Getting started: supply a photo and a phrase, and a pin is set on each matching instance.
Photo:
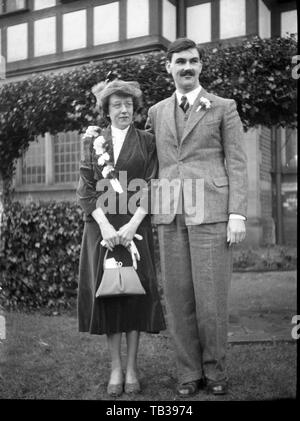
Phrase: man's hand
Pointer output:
(236, 231)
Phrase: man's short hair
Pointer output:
(181, 44)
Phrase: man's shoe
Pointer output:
(185, 390)
(217, 387)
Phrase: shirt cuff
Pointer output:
(236, 216)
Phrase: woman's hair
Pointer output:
(103, 92)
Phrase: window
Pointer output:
(289, 150)
(199, 22)
(288, 23)
(33, 163)
(137, 18)
(43, 4)
(169, 20)
(66, 157)
(106, 23)
(45, 36)
(232, 18)
(74, 30)
(264, 21)
(17, 44)
(9, 6)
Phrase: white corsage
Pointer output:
(107, 170)
(91, 131)
(98, 146)
(204, 104)
(106, 162)
(103, 159)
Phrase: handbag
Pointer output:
(119, 280)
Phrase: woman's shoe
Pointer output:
(132, 388)
(115, 390)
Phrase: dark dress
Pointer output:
(117, 314)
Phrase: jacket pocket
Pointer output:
(220, 181)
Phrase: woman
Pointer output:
(132, 152)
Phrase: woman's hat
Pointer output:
(104, 90)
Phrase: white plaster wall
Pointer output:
(264, 20)
(137, 18)
(42, 4)
(232, 18)
(289, 23)
(199, 22)
(45, 36)
(106, 23)
(17, 42)
(169, 20)
(74, 30)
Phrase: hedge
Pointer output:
(256, 73)
(40, 255)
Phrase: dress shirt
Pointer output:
(191, 97)
(118, 137)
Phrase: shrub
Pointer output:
(40, 255)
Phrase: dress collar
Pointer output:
(119, 134)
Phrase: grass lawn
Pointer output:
(45, 357)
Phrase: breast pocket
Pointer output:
(210, 123)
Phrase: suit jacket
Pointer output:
(207, 167)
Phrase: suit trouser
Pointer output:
(196, 264)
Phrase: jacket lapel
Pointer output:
(196, 113)
(169, 116)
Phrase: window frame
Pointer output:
(14, 12)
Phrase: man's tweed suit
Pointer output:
(204, 155)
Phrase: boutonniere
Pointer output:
(204, 104)
(104, 157)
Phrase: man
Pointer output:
(201, 154)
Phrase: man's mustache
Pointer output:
(187, 73)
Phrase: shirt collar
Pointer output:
(191, 96)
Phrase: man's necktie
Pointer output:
(184, 105)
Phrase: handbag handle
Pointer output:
(118, 263)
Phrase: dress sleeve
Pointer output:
(86, 191)
(151, 172)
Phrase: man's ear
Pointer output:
(168, 66)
